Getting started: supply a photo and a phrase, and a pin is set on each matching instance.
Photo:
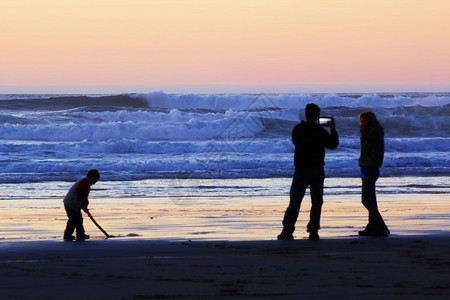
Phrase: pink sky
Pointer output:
(140, 45)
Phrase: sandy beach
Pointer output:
(169, 249)
(234, 218)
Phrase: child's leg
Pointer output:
(75, 222)
(70, 227)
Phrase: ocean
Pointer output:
(159, 145)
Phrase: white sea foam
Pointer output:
(242, 101)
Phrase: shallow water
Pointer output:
(194, 190)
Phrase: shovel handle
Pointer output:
(96, 224)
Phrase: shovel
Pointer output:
(96, 224)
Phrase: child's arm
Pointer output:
(83, 189)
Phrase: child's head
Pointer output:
(93, 176)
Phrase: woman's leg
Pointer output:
(369, 177)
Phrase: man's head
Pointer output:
(93, 176)
(312, 112)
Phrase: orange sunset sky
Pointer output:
(110, 46)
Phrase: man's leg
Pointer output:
(298, 188)
(316, 190)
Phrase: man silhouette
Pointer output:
(310, 140)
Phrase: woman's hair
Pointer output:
(370, 118)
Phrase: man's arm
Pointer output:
(332, 140)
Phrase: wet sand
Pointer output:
(226, 218)
(225, 249)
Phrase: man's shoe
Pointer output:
(69, 237)
(82, 237)
(285, 236)
(314, 235)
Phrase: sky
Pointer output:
(111, 46)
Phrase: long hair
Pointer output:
(371, 119)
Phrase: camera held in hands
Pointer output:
(326, 121)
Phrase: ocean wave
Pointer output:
(159, 135)
(283, 101)
(64, 102)
(214, 102)
(182, 124)
(208, 165)
(230, 127)
(347, 146)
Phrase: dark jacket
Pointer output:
(310, 141)
(372, 147)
